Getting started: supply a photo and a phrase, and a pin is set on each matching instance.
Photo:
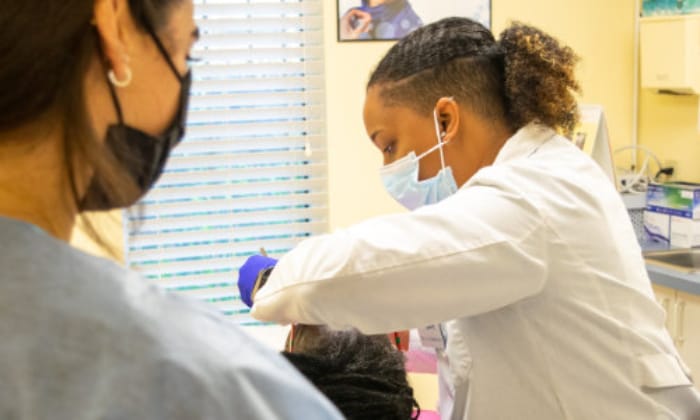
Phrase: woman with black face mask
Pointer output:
(94, 97)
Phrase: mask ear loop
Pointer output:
(117, 105)
(164, 52)
(112, 91)
(439, 137)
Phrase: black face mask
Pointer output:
(140, 155)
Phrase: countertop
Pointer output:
(685, 282)
(665, 276)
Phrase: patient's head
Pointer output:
(364, 376)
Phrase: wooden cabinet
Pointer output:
(688, 331)
(666, 298)
(683, 322)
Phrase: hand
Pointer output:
(249, 275)
(354, 23)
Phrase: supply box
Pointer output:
(676, 199)
(672, 214)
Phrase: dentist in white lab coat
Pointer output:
(518, 243)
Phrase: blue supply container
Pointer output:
(669, 7)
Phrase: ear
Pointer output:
(108, 18)
(448, 118)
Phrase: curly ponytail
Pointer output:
(527, 76)
(539, 78)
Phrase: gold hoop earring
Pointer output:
(120, 83)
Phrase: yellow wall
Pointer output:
(601, 31)
(355, 190)
(669, 126)
(109, 227)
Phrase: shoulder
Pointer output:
(135, 343)
(542, 168)
(206, 355)
(203, 358)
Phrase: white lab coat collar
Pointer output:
(524, 142)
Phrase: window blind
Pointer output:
(251, 171)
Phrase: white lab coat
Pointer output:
(533, 266)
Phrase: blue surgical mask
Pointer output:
(400, 178)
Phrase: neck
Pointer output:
(33, 185)
(483, 140)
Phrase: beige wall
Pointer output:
(355, 190)
(109, 227)
(601, 31)
(669, 126)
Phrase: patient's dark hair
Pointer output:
(364, 376)
(526, 76)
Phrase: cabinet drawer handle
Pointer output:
(680, 324)
(666, 306)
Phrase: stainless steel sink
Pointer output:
(686, 260)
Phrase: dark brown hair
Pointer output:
(47, 47)
(363, 375)
(527, 76)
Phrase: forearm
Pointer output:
(404, 271)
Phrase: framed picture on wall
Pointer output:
(379, 20)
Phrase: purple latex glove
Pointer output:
(248, 274)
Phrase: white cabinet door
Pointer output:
(667, 298)
(688, 331)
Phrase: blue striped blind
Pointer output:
(251, 171)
